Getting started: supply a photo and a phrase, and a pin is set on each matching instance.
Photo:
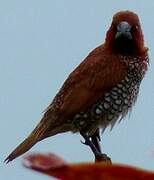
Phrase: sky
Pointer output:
(41, 42)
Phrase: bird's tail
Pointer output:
(37, 134)
(22, 148)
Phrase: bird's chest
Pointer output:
(116, 102)
(120, 98)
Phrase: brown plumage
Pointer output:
(101, 89)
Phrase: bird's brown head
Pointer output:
(125, 34)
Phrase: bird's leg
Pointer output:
(97, 152)
(89, 143)
(95, 139)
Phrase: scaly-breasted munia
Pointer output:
(100, 91)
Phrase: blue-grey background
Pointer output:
(41, 42)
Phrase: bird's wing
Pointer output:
(89, 81)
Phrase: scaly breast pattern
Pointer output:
(116, 103)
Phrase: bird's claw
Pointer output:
(102, 157)
(85, 143)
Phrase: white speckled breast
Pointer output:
(117, 102)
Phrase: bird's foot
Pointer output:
(99, 157)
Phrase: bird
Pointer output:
(100, 91)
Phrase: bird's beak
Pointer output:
(124, 30)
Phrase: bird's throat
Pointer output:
(124, 46)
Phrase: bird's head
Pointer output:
(125, 34)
